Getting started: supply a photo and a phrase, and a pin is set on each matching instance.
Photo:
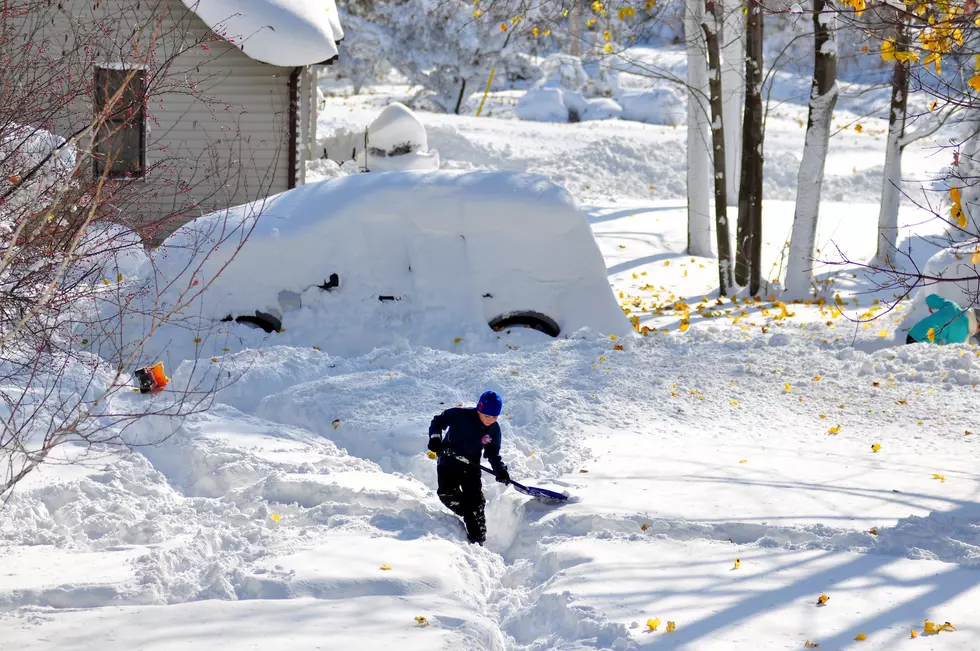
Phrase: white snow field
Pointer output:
(299, 512)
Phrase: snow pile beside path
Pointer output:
(396, 140)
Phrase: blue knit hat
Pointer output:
(490, 403)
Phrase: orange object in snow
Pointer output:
(152, 378)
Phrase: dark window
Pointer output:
(121, 139)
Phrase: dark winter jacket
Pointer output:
(468, 437)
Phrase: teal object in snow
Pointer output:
(950, 323)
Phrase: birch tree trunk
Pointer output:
(712, 24)
(748, 255)
(733, 83)
(823, 98)
(891, 196)
(575, 19)
(698, 134)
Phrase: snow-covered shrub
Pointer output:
(655, 106)
(602, 108)
(397, 130)
(603, 76)
(361, 60)
(564, 71)
(449, 47)
(542, 105)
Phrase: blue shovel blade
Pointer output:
(534, 491)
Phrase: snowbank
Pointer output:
(280, 32)
(367, 260)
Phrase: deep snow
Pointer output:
(268, 520)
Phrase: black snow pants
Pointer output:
(461, 490)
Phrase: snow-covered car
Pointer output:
(440, 259)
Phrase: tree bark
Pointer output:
(698, 134)
(748, 256)
(712, 24)
(575, 18)
(459, 100)
(891, 196)
(732, 68)
(823, 98)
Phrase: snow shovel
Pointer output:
(542, 494)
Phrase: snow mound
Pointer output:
(654, 106)
(280, 32)
(602, 108)
(369, 260)
(542, 105)
(397, 130)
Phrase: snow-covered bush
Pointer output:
(543, 105)
(361, 60)
(655, 106)
(449, 47)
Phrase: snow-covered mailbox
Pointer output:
(430, 257)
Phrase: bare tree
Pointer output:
(823, 98)
(698, 133)
(72, 108)
(748, 255)
(711, 24)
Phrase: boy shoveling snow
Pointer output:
(472, 433)
(947, 323)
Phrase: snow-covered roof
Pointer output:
(280, 32)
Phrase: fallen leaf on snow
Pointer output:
(738, 564)
(939, 477)
(422, 621)
(873, 531)
(914, 634)
(822, 599)
(875, 447)
(644, 527)
(670, 627)
(860, 637)
(743, 460)
(583, 470)
(811, 645)
(385, 567)
(652, 624)
(276, 517)
(834, 430)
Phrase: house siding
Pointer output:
(217, 127)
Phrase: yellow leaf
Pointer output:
(914, 634)
(933, 104)
(939, 477)
(612, 337)
(738, 564)
(385, 567)
(811, 645)
(931, 335)
(733, 402)
(787, 387)
(197, 340)
(823, 415)
(119, 277)
(882, 333)
(666, 263)
(946, 627)
(105, 281)
(875, 447)
(652, 624)
(888, 50)
(929, 628)
(861, 637)
(834, 430)
(276, 517)
(822, 599)
(743, 460)
(858, 128)
(431, 454)
(457, 340)
(422, 621)
(685, 324)
(670, 627)
(816, 378)
(503, 27)
(975, 258)
(607, 48)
